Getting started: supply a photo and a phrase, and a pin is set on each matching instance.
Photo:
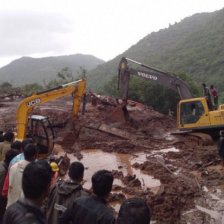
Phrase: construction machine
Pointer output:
(38, 127)
(193, 114)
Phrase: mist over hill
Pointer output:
(36, 70)
(195, 46)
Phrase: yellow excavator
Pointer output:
(39, 127)
(193, 114)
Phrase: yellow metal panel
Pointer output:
(27, 105)
(204, 119)
(217, 117)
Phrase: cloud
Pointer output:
(24, 33)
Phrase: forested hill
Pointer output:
(36, 70)
(195, 46)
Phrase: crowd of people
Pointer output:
(32, 192)
(209, 94)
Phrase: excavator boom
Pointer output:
(153, 74)
(77, 89)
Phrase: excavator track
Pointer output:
(198, 137)
(203, 139)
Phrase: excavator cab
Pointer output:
(41, 131)
(193, 114)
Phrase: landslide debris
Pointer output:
(183, 177)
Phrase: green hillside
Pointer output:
(35, 70)
(194, 46)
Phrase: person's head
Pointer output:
(221, 133)
(9, 136)
(203, 85)
(16, 145)
(133, 211)
(211, 87)
(76, 171)
(1, 138)
(30, 152)
(10, 155)
(36, 180)
(102, 182)
(25, 142)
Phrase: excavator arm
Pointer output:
(193, 114)
(76, 88)
(153, 74)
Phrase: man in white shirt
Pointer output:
(16, 172)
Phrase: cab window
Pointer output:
(191, 112)
(38, 129)
(48, 128)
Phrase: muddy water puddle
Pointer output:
(210, 211)
(142, 157)
(95, 160)
(172, 149)
(215, 215)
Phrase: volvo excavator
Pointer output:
(193, 114)
(38, 127)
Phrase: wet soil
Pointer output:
(181, 180)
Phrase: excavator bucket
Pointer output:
(120, 114)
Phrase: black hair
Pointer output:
(211, 87)
(203, 84)
(36, 179)
(10, 155)
(221, 133)
(76, 170)
(133, 211)
(8, 136)
(16, 145)
(26, 141)
(30, 151)
(1, 138)
(102, 182)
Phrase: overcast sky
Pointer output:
(103, 28)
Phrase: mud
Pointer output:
(181, 180)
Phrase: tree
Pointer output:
(194, 88)
(82, 72)
(30, 89)
(6, 87)
(62, 77)
(162, 99)
(111, 87)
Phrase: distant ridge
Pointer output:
(34, 70)
(195, 46)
